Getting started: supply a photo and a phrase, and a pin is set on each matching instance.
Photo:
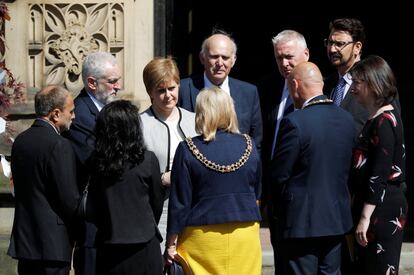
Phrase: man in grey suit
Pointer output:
(218, 56)
(46, 194)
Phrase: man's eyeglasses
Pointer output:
(339, 45)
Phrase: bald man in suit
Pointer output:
(218, 56)
(309, 174)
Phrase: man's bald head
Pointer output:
(307, 72)
(305, 81)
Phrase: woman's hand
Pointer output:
(361, 231)
(362, 228)
(170, 248)
(169, 253)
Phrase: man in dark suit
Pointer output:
(344, 49)
(101, 75)
(218, 56)
(309, 176)
(290, 49)
(46, 194)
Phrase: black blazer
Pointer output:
(270, 92)
(46, 195)
(310, 171)
(246, 103)
(128, 210)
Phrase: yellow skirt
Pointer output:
(230, 248)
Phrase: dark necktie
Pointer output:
(339, 91)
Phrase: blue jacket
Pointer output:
(310, 169)
(202, 196)
(246, 103)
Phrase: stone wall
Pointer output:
(46, 42)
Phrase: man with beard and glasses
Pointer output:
(344, 48)
(101, 77)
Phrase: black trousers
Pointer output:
(275, 239)
(40, 267)
(84, 256)
(130, 259)
(310, 256)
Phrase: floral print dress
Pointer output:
(379, 179)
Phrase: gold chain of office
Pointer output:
(218, 167)
(321, 101)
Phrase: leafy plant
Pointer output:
(11, 90)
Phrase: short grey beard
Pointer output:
(104, 97)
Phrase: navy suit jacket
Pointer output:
(82, 136)
(43, 167)
(246, 103)
(310, 171)
(81, 132)
(202, 196)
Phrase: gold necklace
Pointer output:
(218, 167)
(319, 102)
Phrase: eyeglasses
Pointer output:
(339, 45)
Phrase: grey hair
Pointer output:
(288, 35)
(50, 98)
(95, 65)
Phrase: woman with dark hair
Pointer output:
(378, 179)
(125, 194)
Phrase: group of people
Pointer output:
(323, 159)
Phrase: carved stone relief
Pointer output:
(61, 35)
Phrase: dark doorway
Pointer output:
(253, 24)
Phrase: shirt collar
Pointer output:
(224, 86)
(347, 77)
(97, 103)
(50, 123)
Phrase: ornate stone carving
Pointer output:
(61, 35)
(73, 46)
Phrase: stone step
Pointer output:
(8, 265)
